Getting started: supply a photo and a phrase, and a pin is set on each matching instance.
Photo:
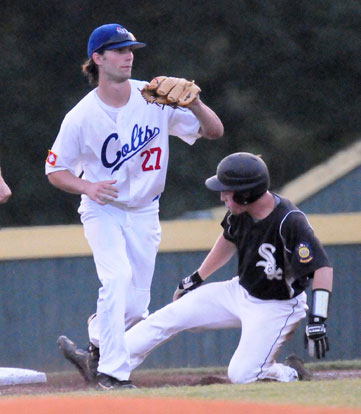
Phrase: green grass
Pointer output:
(337, 393)
(334, 393)
(337, 364)
(342, 393)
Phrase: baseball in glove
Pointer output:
(170, 91)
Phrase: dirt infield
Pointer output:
(69, 382)
(124, 405)
(29, 401)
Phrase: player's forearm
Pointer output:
(66, 181)
(316, 332)
(211, 125)
(323, 279)
(221, 253)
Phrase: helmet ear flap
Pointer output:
(248, 197)
(240, 198)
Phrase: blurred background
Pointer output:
(284, 77)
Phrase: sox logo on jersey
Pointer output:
(266, 251)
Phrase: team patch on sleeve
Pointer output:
(51, 159)
(304, 253)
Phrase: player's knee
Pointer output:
(240, 374)
(236, 376)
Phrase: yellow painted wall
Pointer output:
(178, 235)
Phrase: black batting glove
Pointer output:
(316, 340)
(187, 284)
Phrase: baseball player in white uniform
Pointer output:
(278, 256)
(119, 145)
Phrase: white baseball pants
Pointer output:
(266, 325)
(124, 245)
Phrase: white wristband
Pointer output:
(320, 300)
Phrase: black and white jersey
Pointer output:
(277, 255)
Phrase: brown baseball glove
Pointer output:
(170, 91)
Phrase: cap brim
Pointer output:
(135, 45)
(214, 184)
(132, 43)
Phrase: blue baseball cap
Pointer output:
(111, 36)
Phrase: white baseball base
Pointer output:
(13, 376)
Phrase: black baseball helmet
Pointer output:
(244, 173)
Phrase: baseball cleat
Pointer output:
(296, 363)
(107, 383)
(86, 361)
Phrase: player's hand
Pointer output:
(178, 294)
(187, 284)
(316, 341)
(5, 191)
(102, 192)
(195, 104)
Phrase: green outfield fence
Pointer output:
(49, 287)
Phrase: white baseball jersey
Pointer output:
(131, 147)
